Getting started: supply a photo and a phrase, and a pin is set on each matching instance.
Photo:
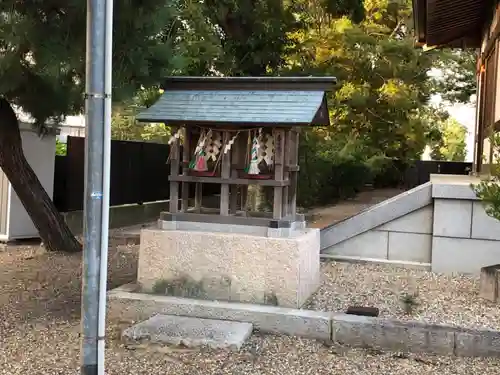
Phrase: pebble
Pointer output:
(40, 330)
(442, 299)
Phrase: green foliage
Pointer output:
(383, 79)
(451, 145)
(61, 148)
(183, 286)
(335, 169)
(458, 80)
(410, 302)
(354, 9)
(329, 169)
(253, 34)
(43, 50)
(256, 35)
(125, 127)
(379, 111)
(488, 190)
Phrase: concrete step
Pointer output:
(191, 332)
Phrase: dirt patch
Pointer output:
(35, 283)
(323, 216)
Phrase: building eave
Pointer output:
(450, 23)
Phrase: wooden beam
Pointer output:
(279, 162)
(294, 159)
(174, 172)
(229, 181)
(186, 156)
(225, 174)
(286, 171)
(198, 196)
(236, 163)
(490, 44)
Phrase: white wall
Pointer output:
(40, 153)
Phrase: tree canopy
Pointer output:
(457, 81)
(380, 107)
(42, 71)
(383, 79)
(451, 144)
(43, 50)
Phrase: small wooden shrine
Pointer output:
(236, 132)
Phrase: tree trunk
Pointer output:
(49, 222)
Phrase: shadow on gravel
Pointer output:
(35, 284)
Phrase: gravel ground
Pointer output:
(441, 299)
(39, 333)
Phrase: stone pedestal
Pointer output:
(230, 266)
(489, 283)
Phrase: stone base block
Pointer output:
(291, 230)
(489, 283)
(231, 267)
(191, 332)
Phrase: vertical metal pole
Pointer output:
(106, 185)
(94, 120)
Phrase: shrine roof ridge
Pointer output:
(291, 83)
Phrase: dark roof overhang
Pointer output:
(249, 83)
(451, 23)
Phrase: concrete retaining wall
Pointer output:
(121, 216)
(406, 239)
(356, 331)
(447, 231)
(465, 238)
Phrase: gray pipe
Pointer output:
(108, 57)
(94, 120)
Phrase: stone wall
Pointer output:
(465, 238)
(448, 233)
(407, 239)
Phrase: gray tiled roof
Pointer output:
(238, 106)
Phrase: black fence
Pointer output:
(139, 173)
(420, 172)
(414, 173)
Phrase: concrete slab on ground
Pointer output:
(191, 332)
(355, 331)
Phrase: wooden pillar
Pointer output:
(279, 161)
(236, 163)
(478, 156)
(174, 172)
(479, 103)
(225, 174)
(186, 155)
(286, 172)
(294, 160)
(244, 158)
(198, 197)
